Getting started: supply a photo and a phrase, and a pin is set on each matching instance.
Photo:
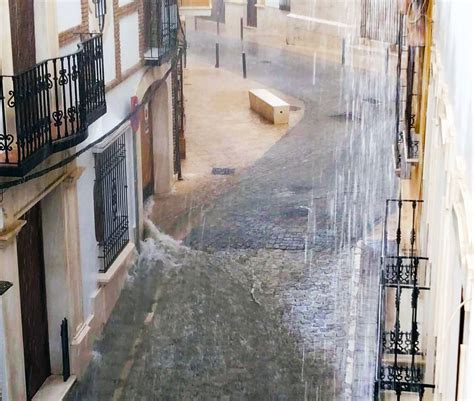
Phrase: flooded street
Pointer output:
(263, 297)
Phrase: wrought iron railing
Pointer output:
(161, 30)
(100, 7)
(407, 144)
(47, 108)
(403, 274)
(285, 5)
(111, 202)
(178, 111)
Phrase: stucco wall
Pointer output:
(447, 235)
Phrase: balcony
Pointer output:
(47, 108)
(195, 7)
(161, 31)
(404, 284)
(411, 144)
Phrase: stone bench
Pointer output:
(269, 106)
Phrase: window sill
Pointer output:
(54, 388)
(121, 261)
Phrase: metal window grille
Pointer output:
(403, 276)
(161, 30)
(379, 20)
(178, 110)
(100, 11)
(110, 202)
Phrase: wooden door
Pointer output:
(22, 17)
(147, 151)
(251, 13)
(33, 301)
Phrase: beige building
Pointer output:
(433, 147)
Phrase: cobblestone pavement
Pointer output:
(259, 304)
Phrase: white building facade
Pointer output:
(91, 123)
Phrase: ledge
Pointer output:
(122, 259)
(11, 231)
(54, 388)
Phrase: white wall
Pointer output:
(68, 14)
(109, 49)
(448, 212)
(454, 43)
(129, 50)
(89, 250)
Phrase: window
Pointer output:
(110, 201)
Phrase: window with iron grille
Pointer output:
(110, 202)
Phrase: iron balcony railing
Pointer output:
(406, 145)
(161, 30)
(403, 277)
(47, 108)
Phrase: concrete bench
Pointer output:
(269, 106)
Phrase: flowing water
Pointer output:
(271, 295)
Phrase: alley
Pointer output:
(254, 303)
(236, 200)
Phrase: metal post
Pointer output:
(387, 58)
(244, 65)
(343, 52)
(195, 23)
(241, 28)
(217, 23)
(217, 55)
(65, 349)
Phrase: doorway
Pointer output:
(251, 13)
(33, 301)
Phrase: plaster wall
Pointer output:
(129, 41)
(454, 41)
(322, 22)
(272, 20)
(162, 138)
(447, 235)
(68, 13)
(47, 29)
(109, 48)
(234, 11)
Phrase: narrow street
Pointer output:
(236, 200)
(261, 299)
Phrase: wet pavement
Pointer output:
(264, 298)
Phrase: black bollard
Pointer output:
(217, 55)
(343, 53)
(244, 65)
